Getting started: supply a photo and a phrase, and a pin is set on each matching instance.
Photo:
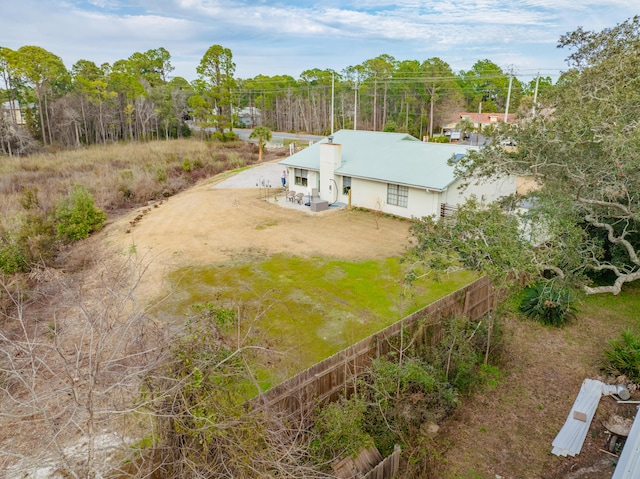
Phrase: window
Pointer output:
(301, 176)
(346, 184)
(397, 195)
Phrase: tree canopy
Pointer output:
(136, 99)
(580, 150)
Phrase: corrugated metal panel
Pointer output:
(629, 463)
(569, 440)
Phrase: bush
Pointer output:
(622, 358)
(404, 397)
(12, 257)
(338, 431)
(37, 237)
(76, 215)
(548, 303)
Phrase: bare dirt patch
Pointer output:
(205, 225)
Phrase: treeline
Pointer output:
(138, 99)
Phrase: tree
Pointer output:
(487, 83)
(216, 71)
(581, 152)
(438, 84)
(379, 69)
(46, 73)
(263, 134)
(71, 382)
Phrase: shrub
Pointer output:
(460, 353)
(548, 303)
(37, 237)
(76, 215)
(338, 431)
(622, 358)
(161, 174)
(405, 396)
(12, 258)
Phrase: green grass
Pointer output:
(314, 307)
(621, 308)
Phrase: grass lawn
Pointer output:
(307, 309)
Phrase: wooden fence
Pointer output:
(387, 468)
(333, 377)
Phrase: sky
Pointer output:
(288, 37)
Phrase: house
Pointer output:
(480, 119)
(249, 117)
(12, 113)
(390, 172)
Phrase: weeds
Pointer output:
(549, 303)
(37, 217)
(402, 396)
(622, 357)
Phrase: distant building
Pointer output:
(483, 119)
(12, 112)
(249, 117)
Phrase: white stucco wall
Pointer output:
(373, 195)
(486, 192)
(330, 160)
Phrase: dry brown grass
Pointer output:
(119, 176)
(508, 431)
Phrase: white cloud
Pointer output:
(287, 37)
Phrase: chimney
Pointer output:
(330, 160)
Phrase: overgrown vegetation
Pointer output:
(622, 356)
(548, 302)
(339, 431)
(403, 397)
(40, 233)
(51, 200)
(198, 395)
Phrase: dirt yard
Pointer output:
(210, 223)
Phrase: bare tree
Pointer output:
(71, 362)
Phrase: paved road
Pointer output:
(244, 133)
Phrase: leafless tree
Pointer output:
(71, 362)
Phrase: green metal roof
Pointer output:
(387, 157)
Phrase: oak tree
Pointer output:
(580, 223)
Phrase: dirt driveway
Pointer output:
(227, 217)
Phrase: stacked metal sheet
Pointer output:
(629, 463)
(571, 437)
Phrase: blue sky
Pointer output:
(287, 37)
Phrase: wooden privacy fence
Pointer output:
(331, 378)
(387, 468)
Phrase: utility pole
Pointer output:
(535, 95)
(332, 100)
(506, 110)
(355, 107)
